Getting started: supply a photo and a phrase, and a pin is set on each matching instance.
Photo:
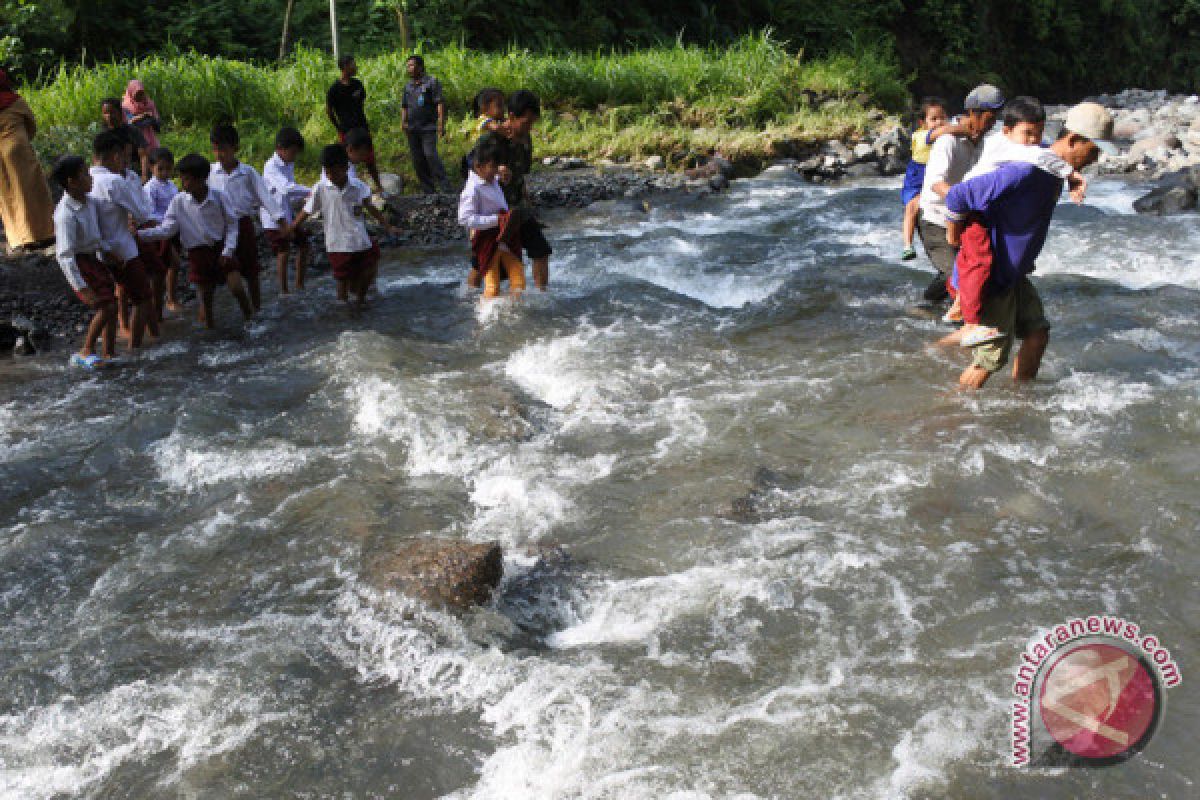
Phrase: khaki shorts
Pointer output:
(1018, 312)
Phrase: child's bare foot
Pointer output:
(955, 312)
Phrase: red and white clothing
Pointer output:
(280, 179)
(76, 233)
(245, 191)
(116, 204)
(342, 211)
(481, 203)
(207, 223)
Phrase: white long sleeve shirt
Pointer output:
(950, 160)
(76, 232)
(136, 191)
(205, 224)
(280, 178)
(481, 203)
(342, 214)
(158, 196)
(245, 191)
(115, 205)
(1000, 149)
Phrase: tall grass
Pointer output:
(638, 97)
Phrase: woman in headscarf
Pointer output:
(25, 205)
(141, 113)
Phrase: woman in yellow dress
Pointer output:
(25, 205)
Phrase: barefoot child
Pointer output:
(483, 210)
(342, 201)
(116, 206)
(933, 119)
(159, 191)
(150, 254)
(279, 174)
(245, 192)
(79, 249)
(208, 230)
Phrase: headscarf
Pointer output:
(132, 107)
(8, 94)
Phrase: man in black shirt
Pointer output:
(345, 105)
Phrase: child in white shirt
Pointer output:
(159, 191)
(279, 174)
(483, 210)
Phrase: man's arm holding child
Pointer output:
(977, 195)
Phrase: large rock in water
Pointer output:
(444, 573)
(1167, 200)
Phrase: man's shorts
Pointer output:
(352, 266)
(533, 241)
(247, 248)
(131, 277)
(204, 266)
(281, 245)
(97, 277)
(940, 252)
(1019, 313)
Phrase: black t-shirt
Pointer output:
(348, 101)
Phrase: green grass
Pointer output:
(744, 98)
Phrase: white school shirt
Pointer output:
(480, 204)
(204, 224)
(1000, 149)
(342, 214)
(952, 158)
(76, 232)
(115, 204)
(135, 189)
(244, 191)
(158, 196)
(280, 178)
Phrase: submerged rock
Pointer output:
(443, 573)
(1167, 200)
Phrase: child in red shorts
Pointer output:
(79, 250)
(342, 202)
(159, 191)
(208, 229)
(279, 174)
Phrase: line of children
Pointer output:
(279, 175)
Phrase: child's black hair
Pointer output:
(334, 155)
(344, 60)
(110, 101)
(108, 142)
(484, 98)
(288, 137)
(523, 102)
(160, 154)
(1023, 109)
(193, 165)
(489, 151)
(65, 168)
(932, 101)
(358, 138)
(224, 135)
(419, 60)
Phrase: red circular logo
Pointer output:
(1099, 701)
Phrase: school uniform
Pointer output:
(483, 209)
(280, 179)
(79, 247)
(208, 230)
(244, 192)
(158, 195)
(150, 254)
(351, 251)
(115, 205)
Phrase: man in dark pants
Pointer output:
(423, 116)
(951, 159)
(346, 104)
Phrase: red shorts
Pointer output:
(370, 154)
(151, 255)
(205, 268)
(280, 245)
(97, 277)
(247, 248)
(974, 268)
(168, 246)
(131, 277)
(349, 266)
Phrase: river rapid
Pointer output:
(756, 544)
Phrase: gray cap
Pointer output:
(984, 97)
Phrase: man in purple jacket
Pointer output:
(1017, 202)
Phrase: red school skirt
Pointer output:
(349, 266)
(98, 278)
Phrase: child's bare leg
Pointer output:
(342, 291)
(541, 273)
(281, 268)
(254, 287)
(237, 286)
(109, 329)
(303, 253)
(122, 311)
(158, 283)
(910, 220)
(137, 325)
(206, 304)
(173, 280)
(99, 321)
(474, 278)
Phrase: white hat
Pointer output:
(1092, 121)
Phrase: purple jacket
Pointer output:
(1016, 202)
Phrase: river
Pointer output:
(795, 563)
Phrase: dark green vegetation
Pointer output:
(1053, 48)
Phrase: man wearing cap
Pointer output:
(951, 158)
(1016, 203)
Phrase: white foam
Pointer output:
(185, 464)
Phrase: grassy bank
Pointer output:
(746, 99)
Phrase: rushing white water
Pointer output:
(797, 563)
